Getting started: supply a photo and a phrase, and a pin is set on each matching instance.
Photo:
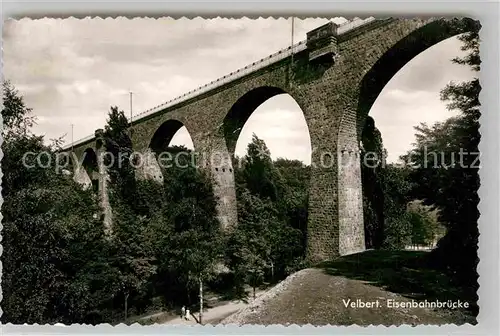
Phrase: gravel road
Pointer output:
(312, 296)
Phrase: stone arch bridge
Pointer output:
(335, 75)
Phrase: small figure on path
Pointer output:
(187, 314)
(183, 312)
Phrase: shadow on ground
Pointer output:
(402, 272)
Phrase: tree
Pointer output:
(46, 243)
(449, 180)
(395, 186)
(52, 243)
(17, 141)
(385, 194)
(17, 118)
(372, 163)
(449, 186)
(425, 227)
(258, 173)
(121, 171)
(272, 216)
(295, 194)
(249, 248)
(132, 255)
(188, 241)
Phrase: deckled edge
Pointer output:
(218, 326)
(215, 17)
(246, 326)
(1, 167)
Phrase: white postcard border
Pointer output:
(485, 11)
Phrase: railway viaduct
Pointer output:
(335, 75)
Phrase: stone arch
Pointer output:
(158, 144)
(87, 173)
(164, 134)
(235, 119)
(243, 108)
(400, 54)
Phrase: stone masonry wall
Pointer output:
(103, 180)
(148, 167)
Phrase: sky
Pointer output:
(71, 71)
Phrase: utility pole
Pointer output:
(130, 128)
(72, 137)
(72, 145)
(291, 57)
(201, 299)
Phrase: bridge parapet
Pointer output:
(322, 42)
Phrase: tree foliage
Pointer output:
(50, 271)
(372, 163)
(121, 169)
(58, 264)
(424, 223)
(269, 240)
(192, 248)
(385, 194)
(17, 117)
(448, 180)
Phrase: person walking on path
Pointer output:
(183, 312)
(188, 314)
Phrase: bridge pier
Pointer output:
(335, 219)
(211, 155)
(149, 168)
(218, 160)
(351, 221)
(81, 177)
(335, 211)
(103, 182)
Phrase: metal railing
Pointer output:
(262, 63)
(79, 141)
(355, 23)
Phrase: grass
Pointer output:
(402, 272)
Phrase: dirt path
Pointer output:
(312, 296)
(212, 315)
(216, 314)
